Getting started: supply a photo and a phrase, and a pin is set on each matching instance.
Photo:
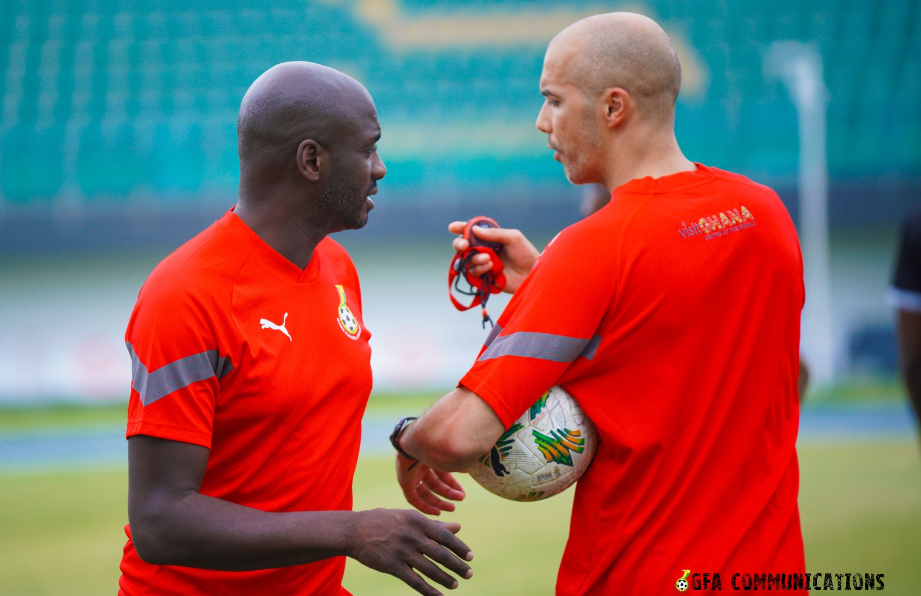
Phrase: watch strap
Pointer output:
(397, 431)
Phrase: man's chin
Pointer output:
(359, 218)
(574, 176)
(580, 175)
(363, 213)
(359, 221)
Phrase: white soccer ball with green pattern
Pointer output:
(544, 452)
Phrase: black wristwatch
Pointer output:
(397, 431)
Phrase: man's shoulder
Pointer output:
(334, 250)
(206, 265)
(741, 183)
(585, 243)
(599, 228)
(337, 256)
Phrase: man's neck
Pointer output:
(652, 155)
(288, 234)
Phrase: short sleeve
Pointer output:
(905, 292)
(176, 362)
(550, 329)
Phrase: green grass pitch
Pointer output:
(61, 532)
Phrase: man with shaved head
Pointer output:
(671, 314)
(251, 372)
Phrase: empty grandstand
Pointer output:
(113, 106)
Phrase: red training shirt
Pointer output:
(237, 349)
(672, 315)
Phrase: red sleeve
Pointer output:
(550, 328)
(176, 361)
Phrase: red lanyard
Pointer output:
(479, 288)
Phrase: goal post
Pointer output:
(799, 67)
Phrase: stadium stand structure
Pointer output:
(120, 103)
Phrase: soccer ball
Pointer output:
(681, 585)
(544, 452)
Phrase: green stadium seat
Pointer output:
(164, 81)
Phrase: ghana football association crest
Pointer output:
(347, 320)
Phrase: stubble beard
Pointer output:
(584, 164)
(344, 203)
(586, 156)
(580, 164)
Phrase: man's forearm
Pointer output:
(208, 533)
(432, 444)
(458, 429)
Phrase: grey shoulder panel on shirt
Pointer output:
(493, 334)
(176, 375)
(544, 346)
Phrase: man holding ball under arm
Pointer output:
(671, 315)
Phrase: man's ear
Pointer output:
(617, 104)
(311, 159)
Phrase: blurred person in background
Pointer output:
(251, 372)
(672, 315)
(905, 296)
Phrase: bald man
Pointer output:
(671, 314)
(251, 372)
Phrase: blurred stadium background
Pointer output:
(118, 143)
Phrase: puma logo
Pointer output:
(267, 324)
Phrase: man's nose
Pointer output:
(543, 120)
(378, 170)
